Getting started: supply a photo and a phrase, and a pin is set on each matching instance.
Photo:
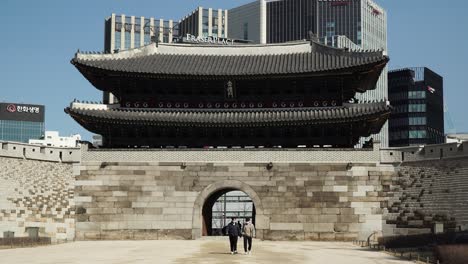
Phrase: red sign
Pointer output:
(11, 108)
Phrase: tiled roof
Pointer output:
(240, 61)
(236, 117)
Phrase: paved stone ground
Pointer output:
(197, 252)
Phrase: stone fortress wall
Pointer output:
(430, 187)
(300, 194)
(36, 190)
(319, 194)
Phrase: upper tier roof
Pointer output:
(242, 60)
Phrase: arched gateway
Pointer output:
(214, 191)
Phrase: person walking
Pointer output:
(248, 231)
(233, 232)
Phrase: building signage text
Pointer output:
(12, 108)
(209, 40)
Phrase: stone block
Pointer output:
(347, 211)
(341, 227)
(346, 236)
(179, 234)
(331, 211)
(286, 226)
(328, 218)
(88, 183)
(328, 236)
(83, 199)
(88, 235)
(150, 234)
(116, 235)
(262, 222)
(312, 236)
(311, 211)
(319, 227)
(340, 188)
(308, 218)
(87, 226)
(348, 219)
(278, 235)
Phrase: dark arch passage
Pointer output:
(228, 203)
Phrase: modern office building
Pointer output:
(21, 122)
(353, 24)
(246, 23)
(363, 23)
(262, 21)
(417, 96)
(52, 139)
(127, 32)
(205, 22)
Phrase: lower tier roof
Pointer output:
(371, 112)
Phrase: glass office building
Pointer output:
(21, 122)
(417, 96)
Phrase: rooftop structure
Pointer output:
(288, 95)
(52, 139)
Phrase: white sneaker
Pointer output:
(246, 253)
(250, 252)
(232, 253)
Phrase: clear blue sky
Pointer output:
(39, 38)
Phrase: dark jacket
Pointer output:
(233, 229)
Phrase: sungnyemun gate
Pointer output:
(193, 122)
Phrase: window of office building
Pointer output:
(417, 134)
(127, 40)
(223, 34)
(330, 29)
(166, 31)
(175, 30)
(205, 22)
(117, 40)
(417, 108)
(414, 121)
(396, 135)
(137, 40)
(147, 29)
(416, 94)
(214, 23)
